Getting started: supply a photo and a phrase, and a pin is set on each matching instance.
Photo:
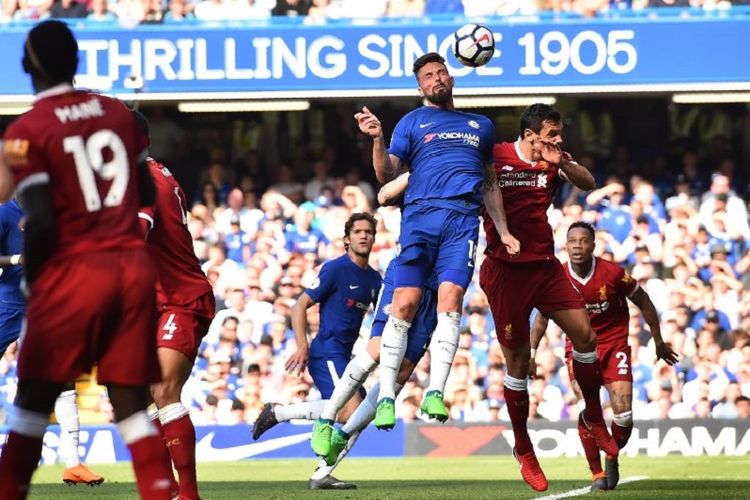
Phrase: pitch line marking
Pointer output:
(587, 489)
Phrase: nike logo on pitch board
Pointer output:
(423, 125)
(353, 287)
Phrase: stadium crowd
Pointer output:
(682, 233)
(134, 12)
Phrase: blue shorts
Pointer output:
(11, 322)
(325, 372)
(438, 241)
(421, 328)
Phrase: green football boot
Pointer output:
(433, 406)
(339, 440)
(320, 442)
(385, 415)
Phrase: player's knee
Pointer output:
(585, 341)
(166, 392)
(624, 419)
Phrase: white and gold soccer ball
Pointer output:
(473, 45)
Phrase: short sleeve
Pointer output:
(325, 284)
(401, 139)
(625, 284)
(25, 159)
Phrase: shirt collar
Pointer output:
(60, 88)
(520, 154)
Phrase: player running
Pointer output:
(75, 160)
(186, 306)
(529, 171)
(450, 155)
(605, 288)
(12, 310)
(333, 444)
(345, 289)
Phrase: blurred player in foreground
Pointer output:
(529, 172)
(605, 288)
(12, 310)
(345, 289)
(76, 162)
(186, 306)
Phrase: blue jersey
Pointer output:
(11, 243)
(345, 292)
(447, 152)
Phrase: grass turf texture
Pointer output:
(671, 477)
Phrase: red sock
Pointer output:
(589, 378)
(621, 435)
(180, 436)
(151, 474)
(19, 459)
(518, 410)
(589, 448)
(167, 462)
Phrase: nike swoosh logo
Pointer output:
(353, 287)
(423, 125)
(206, 451)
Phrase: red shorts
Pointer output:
(96, 309)
(513, 290)
(614, 359)
(183, 327)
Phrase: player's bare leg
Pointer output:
(517, 402)
(149, 456)
(66, 413)
(575, 324)
(179, 433)
(621, 400)
(34, 402)
(590, 449)
(392, 349)
(443, 348)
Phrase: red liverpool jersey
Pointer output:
(86, 147)
(180, 277)
(605, 291)
(528, 188)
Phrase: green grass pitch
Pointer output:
(671, 477)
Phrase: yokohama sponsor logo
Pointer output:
(465, 137)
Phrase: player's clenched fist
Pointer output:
(369, 123)
(512, 245)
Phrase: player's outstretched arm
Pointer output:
(578, 175)
(493, 203)
(40, 229)
(386, 165)
(297, 362)
(663, 350)
(538, 329)
(390, 193)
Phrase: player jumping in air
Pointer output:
(529, 172)
(185, 302)
(450, 157)
(76, 162)
(12, 310)
(605, 288)
(345, 289)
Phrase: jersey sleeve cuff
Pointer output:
(147, 218)
(32, 180)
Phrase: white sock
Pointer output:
(323, 469)
(27, 423)
(364, 413)
(152, 411)
(136, 427)
(309, 410)
(443, 349)
(172, 412)
(66, 413)
(354, 376)
(392, 350)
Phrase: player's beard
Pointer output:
(441, 97)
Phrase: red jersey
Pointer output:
(86, 147)
(605, 291)
(528, 188)
(181, 280)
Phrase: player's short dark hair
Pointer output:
(583, 225)
(357, 217)
(535, 115)
(141, 121)
(429, 57)
(51, 52)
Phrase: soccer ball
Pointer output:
(473, 45)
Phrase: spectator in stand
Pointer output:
(615, 217)
(67, 9)
(177, 12)
(315, 186)
(406, 8)
(212, 10)
(291, 8)
(152, 12)
(249, 9)
(100, 12)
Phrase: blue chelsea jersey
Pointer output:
(11, 243)
(447, 152)
(345, 292)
